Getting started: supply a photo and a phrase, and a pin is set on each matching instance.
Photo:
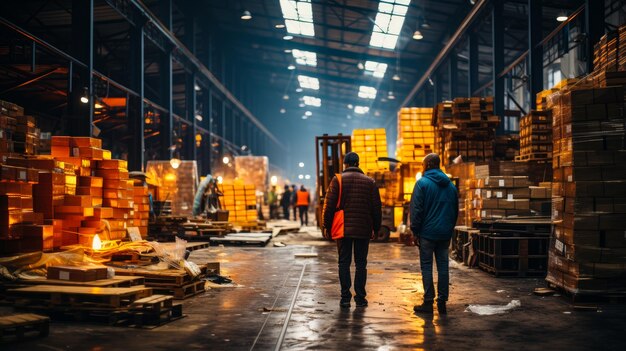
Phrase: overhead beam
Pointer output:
(456, 37)
(535, 62)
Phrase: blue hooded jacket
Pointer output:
(434, 206)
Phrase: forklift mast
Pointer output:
(329, 153)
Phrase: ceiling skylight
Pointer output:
(307, 82)
(312, 101)
(388, 23)
(366, 92)
(298, 16)
(376, 69)
(361, 110)
(306, 58)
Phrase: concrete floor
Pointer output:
(253, 314)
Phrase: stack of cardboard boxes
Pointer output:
(465, 127)
(500, 197)
(589, 190)
(416, 135)
(610, 59)
(141, 208)
(535, 136)
(370, 144)
(240, 201)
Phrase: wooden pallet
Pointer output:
(182, 292)
(76, 297)
(169, 276)
(148, 312)
(117, 282)
(23, 325)
(534, 156)
(260, 239)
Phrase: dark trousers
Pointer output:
(438, 248)
(286, 212)
(304, 215)
(295, 212)
(345, 247)
(273, 211)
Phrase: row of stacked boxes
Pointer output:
(465, 126)
(416, 136)
(535, 136)
(589, 190)
(65, 198)
(610, 59)
(240, 201)
(370, 144)
(416, 139)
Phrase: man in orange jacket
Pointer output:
(302, 202)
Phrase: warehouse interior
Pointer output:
(153, 155)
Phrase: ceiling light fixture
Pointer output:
(226, 160)
(279, 26)
(308, 113)
(298, 90)
(417, 35)
(175, 163)
(285, 97)
(282, 110)
(301, 104)
(288, 37)
(246, 15)
(304, 117)
(425, 24)
(396, 77)
(562, 17)
(199, 117)
(287, 51)
(360, 65)
(291, 67)
(85, 97)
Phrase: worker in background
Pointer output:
(272, 201)
(362, 208)
(285, 201)
(303, 199)
(434, 209)
(294, 198)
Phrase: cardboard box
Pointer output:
(77, 274)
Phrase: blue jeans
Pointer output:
(440, 249)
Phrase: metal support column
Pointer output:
(535, 54)
(438, 96)
(207, 145)
(472, 63)
(594, 26)
(81, 114)
(135, 103)
(453, 75)
(497, 36)
(165, 70)
(190, 107)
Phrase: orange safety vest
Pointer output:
(303, 198)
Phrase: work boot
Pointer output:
(441, 307)
(360, 302)
(344, 303)
(424, 308)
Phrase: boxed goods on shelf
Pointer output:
(370, 144)
(589, 190)
(253, 170)
(176, 185)
(416, 135)
(465, 127)
(240, 201)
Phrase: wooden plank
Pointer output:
(80, 290)
(119, 281)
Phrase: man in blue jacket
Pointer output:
(434, 210)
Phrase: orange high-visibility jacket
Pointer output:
(303, 198)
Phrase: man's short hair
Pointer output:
(351, 159)
(432, 161)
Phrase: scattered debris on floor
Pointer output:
(279, 244)
(488, 310)
(305, 254)
(544, 292)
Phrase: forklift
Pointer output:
(329, 153)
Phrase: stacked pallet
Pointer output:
(18, 132)
(370, 144)
(21, 229)
(500, 197)
(589, 191)
(240, 201)
(535, 136)
(416, 136)
(141, 208)
(466, 174)
(465, 127)
(117, 194)
(610, 51)
(176, 186)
